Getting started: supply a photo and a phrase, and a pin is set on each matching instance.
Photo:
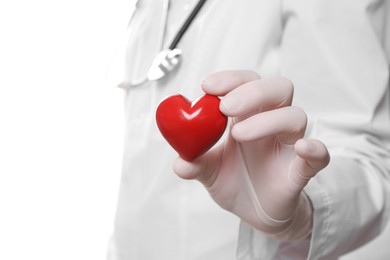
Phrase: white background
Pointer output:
(61, 127)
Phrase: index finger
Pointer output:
(222, 82)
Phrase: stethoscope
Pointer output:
(168, 59)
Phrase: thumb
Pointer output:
(204, 168)
(312, 157)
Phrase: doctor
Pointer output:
(304, 170)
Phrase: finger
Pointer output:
(288, 124)
(261, 94)
(203, 169)
(312, 157)
(221, 83)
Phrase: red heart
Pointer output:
(191, 128)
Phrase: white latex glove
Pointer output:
(260, 170)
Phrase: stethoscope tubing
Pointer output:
(186, 24)
(167, 59)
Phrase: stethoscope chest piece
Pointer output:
(168, 59)
(164, 62)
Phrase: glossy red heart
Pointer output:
(191, 128)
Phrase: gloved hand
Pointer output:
(260, 170)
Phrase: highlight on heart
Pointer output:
(191, 128)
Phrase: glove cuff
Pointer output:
(301, 224)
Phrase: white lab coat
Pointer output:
(337, 55)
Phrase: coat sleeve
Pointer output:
(337, 55)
